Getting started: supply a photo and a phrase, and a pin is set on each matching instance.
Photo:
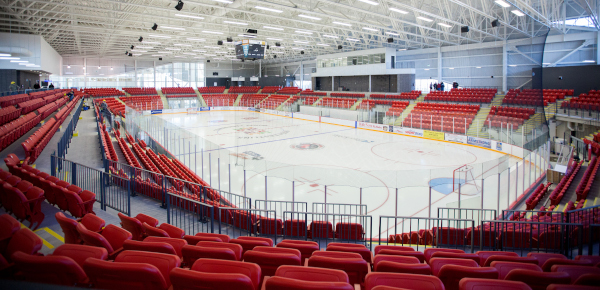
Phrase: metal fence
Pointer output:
(111, 191)
(65, 140)
(340, 208)
(237, 222)
(191, 215)
(527, 236)
(328, 227)
(281, 206)
(533, 215)
(476, 215)
(427, 232)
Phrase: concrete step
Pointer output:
(478, 123)
(200, 99)
(163, 99)
(405, 113)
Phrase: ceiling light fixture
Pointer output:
(196, 39)
(182, 44)
(272, 28)
(303, 32)
(170, 48)
(369, 2)
(309, 17)
(5, 54)
(199, 50)
(155, 26)
(341, 23)
(352, 39)
(322, 44)
(111, 68)
(236, 23)
(370, 29)
(424, 19)
(179, 5)
(303, 42)
(173, 28)
(223, 1)
(278, 39)
(517, 12)
(391, 33)
(189, 16)
(478, 67)
(146, 47)
(211, 32)
(502, 3)
(68, 66)
(444, 25)
(151, 42)
(17, 61)
(4, 57)
(158, 36)
(589, 61)
(512, 65)
(247, 35)
(329, 36)
(268, 9)
(398, 10)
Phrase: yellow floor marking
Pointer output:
(54, 234)
(50, 246)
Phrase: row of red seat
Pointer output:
(218, 100)
(503, 122)
(589, 101)
(129, 157)
(347, 95)
(211, 90)
(455, 97)
(477, 90)
(512, 111)
(270, 89)
(456, 128)
(50, 108)
(140, 91)
(289, 90)
(144, 102)
(251, 100)
(106, 141)
(309, 92)
(54, 97)
(437, 107)
(9, 113)
(15, 99)
(103, 92)
(244, 90)
(309, 100)
(148, 164)
(177, 90)
(31, 105)
(21, 198)
(412, 95)
(562, 187)
(537, 195)
(114, 105)
(566, 92)
(586, 182)
(13, 130)
(274, 101)
(181, 96)
(337, 102)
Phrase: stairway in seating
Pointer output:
(237, 100)
(404, 114)
(553, 108)
(163, 98)
(478, 123)
(200, 98)
(279, 108)
(570, 193)
(317, 101)
(353, 107)
(530, 124)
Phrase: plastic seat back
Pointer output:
(23, 240)
(575, 272)
(176, 243)
(182, 279)
(547, 266)
(452, 274)
(483, 255)
(193, 240)
(80, 253)
(404, 281)
(143, 218)
(154, 231)
(363, 252)
(335, 254)
(505, 267)
(429, 252)
(543, 257)
(281, 283)
(172, 231)
(525, 260)
(306, 248)
(257, 239)
(437, 263)
(312, 274)
(192, 253)
(235, 248)
(356, 268)
(163, 262)
(478, 284)
(224, 238)
(69, 228)
(417, 254)
(394, 248)
(442, 254)
(94, 239)
(249, 270)
(156, 247)
(269, 262)
(277, 250)
(536, 279)
(112, 275)
(248, 245)
(57, 270)
(132, 225)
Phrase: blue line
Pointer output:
(277, 140)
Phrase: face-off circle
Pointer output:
(307, 146)
(252, 131)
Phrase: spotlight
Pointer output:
(99, 67)
(111, 68)
(130, 54)
(464, 29)
(160, 58)
(220, 42)
(496, 23)
(126, 53)
(179, 5)
(132, 47)
(229, 39)
(274, 56)
(141, 39)
(155, 26)
(339, 47)
(68, 66)
(302, 52)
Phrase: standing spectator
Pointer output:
(70, 95)
(51, 86)
(36, 86)
(431, 87)
(106, 114)
(13, 87)
(439, 87)
(442, 86)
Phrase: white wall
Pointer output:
(31, 48)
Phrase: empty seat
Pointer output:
(223, 238)
(333, 254)
(349, 231)
(192, 240)
(363, 252)
(536, 279)
(80, 253)
(26, 206)
(8, 226)
(575, 272)
(156, 247)
(547, 267)
(321, 229)
(527, 260)
(595, 259)
(442, 254)
(312, 274)
(176, 243)
(269, 262)
(452, 274)
(429, 252)
(235, 248)
(395, 259)
(23, 240)
(69, 228)
(112, 275)
(266, 240)
(57, 270)
(437, 263)
(281, 283)
(306, 248)
(248, 245)
(192, 253)
(183, 279)
(403, 281)
(163, 262)
(230, 273)
(480, 284)
(505, 267)
(356, 268)
(112, 238)
(588, 279)
(570, 287)
(394, 267)
(413, 253)
(543, 257)
(172, 231)
(154, 231)
(132, 225)
(92, 222)
(147, 219)
(278, 250)
(393, 248)
(483, 255)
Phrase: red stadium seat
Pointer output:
(80, 253)
(312, 274)
(362, 251)
(588, 279)
(281, 283)
(269, 262)
(536, 279)
(413, 253)
(156, 247)
(429, 252)
(69, 228)
(111, 275)
(443, 254)
(403, 281)
(356, 268)
(395, 259)
(547, 267)
(236, 249)
(176, 243)
(163, 262)
(505, 267)
(570, 287)
(479, 284)
(437, 263)
(575, 272)
(57, 270)
(224, 238)
(154, 231)
(267, 240)
(224, 269)
(394, 248)
(23, 240)
(528, 260)
(483, 255)
(132, 225)
(248, 245)
(393, 267)
(112, 238)
(306, 248)
(452, 274)
(543, 257)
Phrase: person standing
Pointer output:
(13, 87)
(36, 86)
(442, 86)
(70, 95)
(106, 113)
(51, 86)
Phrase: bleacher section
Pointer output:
(211, 90)
(463, 96)
(347, 95)
(220, 100)
(344, 103)
(181, 96)
(270, 89)
(309, 92)
(589, 101)
(531, 97)
(9, 113)
(178, 91)
(413, 95)
(251, 100)
(511, 116)
(395, 107)
(144, 102)
(288, 91)
(244, 90)
(273, 101)
(103, 92)
(442, 117)
(116, 107)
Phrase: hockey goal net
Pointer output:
(192, 111)
(463, 176)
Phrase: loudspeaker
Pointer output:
(130, 54)
(220, 42)
(274, 56)
(160, 58)
(132, 47)
(155, 26)
(252, 31)
(496, 23)
(229, 39)
(277, 44)
(390, 40)
(268, 47)
(302, 52)
(464, 29)
(208, 60)
(339, 47)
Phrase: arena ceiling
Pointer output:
(108, 28)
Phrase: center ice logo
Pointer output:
(307, 146)
(252, 131)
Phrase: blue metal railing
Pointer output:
(65, 140)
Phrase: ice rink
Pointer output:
(264, 156)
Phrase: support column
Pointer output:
(172, 75)
(301, 75)
(439, 64)
(597, 45)
(332, 83)
(504, 67)
(154, 71)
(85, 73)
(135, 72)
(370, 83)
(260, 68)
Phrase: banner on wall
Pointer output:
(204, 109)
(156, 112)
(479, 142)
(373, 126)
(433, 135)
(456, 138)
(409, 131)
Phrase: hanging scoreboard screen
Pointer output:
(250, 49)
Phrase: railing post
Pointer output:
(73, 173)
(129, 191)
(53, 164)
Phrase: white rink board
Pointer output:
(299, 157)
